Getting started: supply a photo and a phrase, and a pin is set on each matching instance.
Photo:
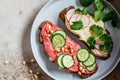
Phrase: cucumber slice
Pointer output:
(59, 60)
(60, 32)
(91, 68)
(67, 61)
(58, 40)
(83, 55)
(91, 60)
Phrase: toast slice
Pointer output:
(65, 54)
(88, 31)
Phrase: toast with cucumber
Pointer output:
(91, 32)
(65, 52)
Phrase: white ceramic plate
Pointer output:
(50, 12)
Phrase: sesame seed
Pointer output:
(52, 31)
(49, 35)
(37, 73)
(32, 60)
(30, 71)
(83, 71)
(81, 64)
(24, 62)
(79, 73)
(49, 26)
(57, 49)
(6, 62)
(66, 50)
(71, 50)
(63, 48)
(81, 68)
(35, 76)
(74, 57)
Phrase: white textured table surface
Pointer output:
(16, 18)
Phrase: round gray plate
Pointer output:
(51, 12)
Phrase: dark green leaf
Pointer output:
(98, 15)
(86, 3)
(91, 41)
(106, 38)
(78, 10)
(77, 25)
(108, 16)
(114, 19)
(106, 47)
(84, 11)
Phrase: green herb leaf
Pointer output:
(111, 16)
(114, 19)
(106, 47)
(77, 25)
(99, 5)
(106, 38)
(84, 11)
(78, 10)
(86, 3)
(108, 16)
(107, 43)
(98, 15)
(96, 30)
(91, 41)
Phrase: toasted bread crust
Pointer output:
(85, 76)
(64, 12)
(64, 19)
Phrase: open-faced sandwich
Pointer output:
(65, 52)
(92, 32)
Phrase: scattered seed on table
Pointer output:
(30, 71)
(36, 77)
(24, 62)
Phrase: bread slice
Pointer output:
(47, 30)
(68, 15)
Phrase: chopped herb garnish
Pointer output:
(106, 38)
(84, 11)
(77, 25)
(99, 5)
(78, 10)
(96, 30)
(98, 15)
(107, 42)
(106, 47)
(91, 41)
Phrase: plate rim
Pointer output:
(31, 37)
